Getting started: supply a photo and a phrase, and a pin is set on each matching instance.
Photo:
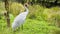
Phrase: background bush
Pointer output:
(40, 20)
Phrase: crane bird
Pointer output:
(19, 20)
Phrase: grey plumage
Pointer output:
(19, 20)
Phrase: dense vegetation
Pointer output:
(40, 20)
(47, 3)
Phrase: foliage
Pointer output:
(2, 8)
(30, 27)
(38, 20)
(16, 8)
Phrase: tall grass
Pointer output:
(40, 20)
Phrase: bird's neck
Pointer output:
(26, 9)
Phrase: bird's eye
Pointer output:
(26, 5)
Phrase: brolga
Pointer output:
(19, 20)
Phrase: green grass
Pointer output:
(39, 21)
(29, 27)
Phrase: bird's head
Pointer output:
(26, 5)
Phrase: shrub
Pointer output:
(16, 8)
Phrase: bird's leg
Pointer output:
(22, 27)
(14, 30)
(18, 29)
